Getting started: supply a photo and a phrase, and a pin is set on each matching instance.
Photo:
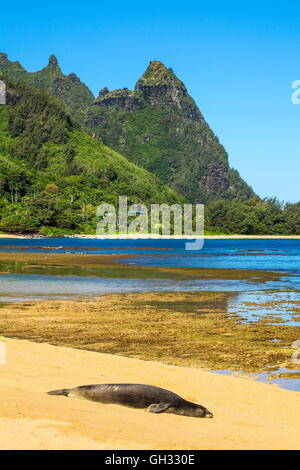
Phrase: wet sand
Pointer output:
(116, 266)
(248, 415)
(181, 328)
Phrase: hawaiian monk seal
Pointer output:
(154, 399)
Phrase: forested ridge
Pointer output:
(53, 174)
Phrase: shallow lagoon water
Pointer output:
(256, 304)
(280, 256)
(289, 384)
(14, 287)
(253, 301)
(276, 298)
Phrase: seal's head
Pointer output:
(208, 414)
(201, 412)
(191, 409)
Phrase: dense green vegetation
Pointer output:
(54, 175)
(159, 127)
(253, 217)
(68, 89)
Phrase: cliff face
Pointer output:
(124, 98)
(160, 85)
(68, 89)
(55, 175)
(159, 127)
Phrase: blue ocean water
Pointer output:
(280, 256)
(217, 247)
(264, 254)
(275, 297)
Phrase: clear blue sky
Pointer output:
(237, 59)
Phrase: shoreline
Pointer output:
(247, 414)
(158, 326)
(154, 237)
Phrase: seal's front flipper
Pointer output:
(159, 407)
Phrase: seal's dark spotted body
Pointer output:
(154, 399)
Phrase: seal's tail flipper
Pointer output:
(64, 391)
(159, 407)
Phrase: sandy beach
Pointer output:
(12, 235)
(170, 339)
(248, 415)
(188, 237)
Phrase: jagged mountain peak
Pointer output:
(52, 68)
(157, 74)
(156, 67)
(160, 86)
(160, 127)
(103, 91)
(157, 126)
(53, 61)
(68, 89)
(6, 67)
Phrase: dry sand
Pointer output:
(248, 415)
(11, 235)
(187, 237)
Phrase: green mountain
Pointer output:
(159, 127)
(52, 174)
(68, 89)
